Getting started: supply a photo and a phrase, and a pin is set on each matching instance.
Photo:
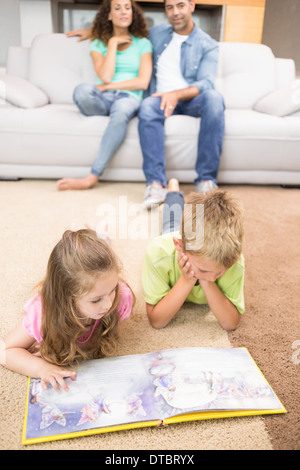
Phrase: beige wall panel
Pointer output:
(244, 24)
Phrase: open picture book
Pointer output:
(153, 389)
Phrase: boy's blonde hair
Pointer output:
(74, 264)
(221, 224)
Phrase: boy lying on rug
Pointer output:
(203, 263)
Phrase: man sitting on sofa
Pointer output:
(185, 66)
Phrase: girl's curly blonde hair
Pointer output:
(75, 262)
(102, 27)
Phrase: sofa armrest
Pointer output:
(285, 72)
(281, 102)
(21, 92)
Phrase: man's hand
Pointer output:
(168, 102)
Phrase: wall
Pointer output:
(36, 17)
(281, 29)
(10, 34)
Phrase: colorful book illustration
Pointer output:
(153, 389)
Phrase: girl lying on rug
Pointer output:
(76, 313)
(202, 264)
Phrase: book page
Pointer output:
(106, 392)
(209, 379)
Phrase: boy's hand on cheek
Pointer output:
(206, 278)
(186, 267)
(184, 263)
(202, 277)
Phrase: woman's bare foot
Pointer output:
(173, 185)
(77, 183)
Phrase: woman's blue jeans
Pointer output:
(209, 105)
(121, 107)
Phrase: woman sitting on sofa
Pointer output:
(122, 57)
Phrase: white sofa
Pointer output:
(43, 135)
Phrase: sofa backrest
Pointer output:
(57, 64)
(246, 72)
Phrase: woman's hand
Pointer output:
(103, 87)
(118, 40)
(82, 33)
(54, 375)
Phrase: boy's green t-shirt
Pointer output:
(161, 272)
(127, 62)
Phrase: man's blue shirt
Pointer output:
(199, 56)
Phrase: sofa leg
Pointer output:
(9, 178)
(290, 186)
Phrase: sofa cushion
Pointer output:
(254, 141)
(246, 72)
(54, 141)
(21, 92)
(58, 64)
(280, 102)
(62, 130)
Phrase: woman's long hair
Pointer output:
(74, 264)
(103, 28)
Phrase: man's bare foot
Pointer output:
(77, 183)
(173, 185)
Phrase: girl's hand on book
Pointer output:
(55, 375)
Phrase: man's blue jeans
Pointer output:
(208, 105)
(121, 107)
